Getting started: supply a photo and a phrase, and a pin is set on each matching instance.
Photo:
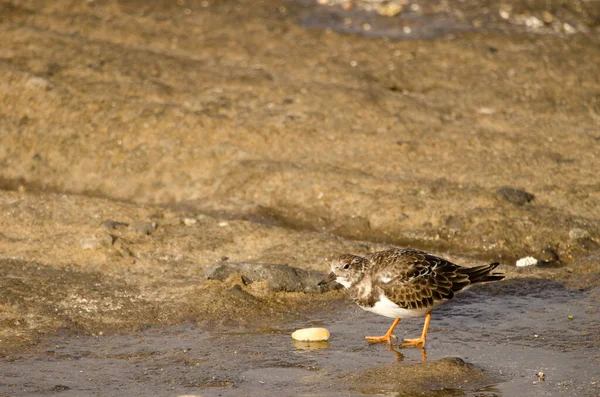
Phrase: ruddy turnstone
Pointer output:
(403, 283)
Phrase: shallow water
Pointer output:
(493, 327)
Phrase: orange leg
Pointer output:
(385, 338)
(420, 342)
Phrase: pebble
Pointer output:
(578, 234)
(311, 334)
(388, 9)
(527, 261)
(547, 17)
(515, 196)
(96, 242)
(190, 221)
(38, 83)
(144, 227)
(113, 225)
(402, 217)
(548, 255)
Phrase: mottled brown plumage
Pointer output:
(400, 283)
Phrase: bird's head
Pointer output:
(346, 269)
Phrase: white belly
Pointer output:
(387, 308)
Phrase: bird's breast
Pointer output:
(385, 307)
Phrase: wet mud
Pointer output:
(146, 145)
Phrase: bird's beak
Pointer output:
(328, 279)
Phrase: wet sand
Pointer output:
(144, 142)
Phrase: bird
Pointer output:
(403, 283)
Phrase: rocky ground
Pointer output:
(144, 142)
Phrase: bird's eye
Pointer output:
(346, 266)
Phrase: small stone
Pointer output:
(190, 221)
(541, 376)
(388, 9)
(146, 228)
(486, 110)
(109, 224)
(402, 217)
(533, 22)
(527, 261)
(587, 244)
(548, 255)
(571, 317)
(38, 83)
(578, 234)
(569, 29)
(515, 196)
(311, 334)
(223, 224)
(96, 242)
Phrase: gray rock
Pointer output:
(401, 217)
(578, 234)
(144, 227)
(515, 196)
(109, 224)
(280, 277)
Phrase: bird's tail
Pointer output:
(482, 274)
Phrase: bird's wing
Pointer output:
(415, 279)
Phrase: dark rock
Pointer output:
(514, 196)
(548, 257)
(280, 277)
(588, 244)
(113, 225)
(144, 227)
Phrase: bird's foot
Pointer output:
(378, 339)
(418, 343)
